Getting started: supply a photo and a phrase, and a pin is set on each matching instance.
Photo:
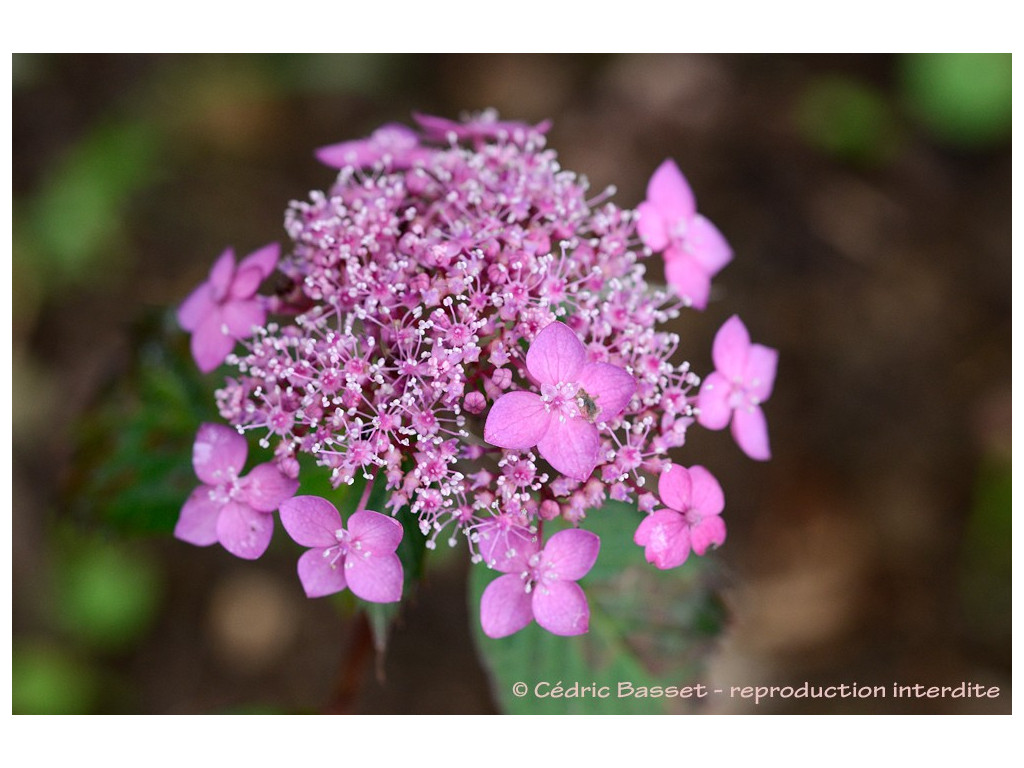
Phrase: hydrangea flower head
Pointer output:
(575, 396)
(361, 558)
(692, 520)
(541, 584)
(224, 308)
(695, 251)
(227, 508)
(743, 379)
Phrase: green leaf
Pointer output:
(648, 628)
(48, 680)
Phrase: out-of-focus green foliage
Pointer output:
(849, 119)
(48, 680)
(965, 99)
(647, 627)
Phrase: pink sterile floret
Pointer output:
(575, 396)
(541, 584)
(236, 511)
(361, 558)
(695, 250)
(394, 144)
(692, 521)
(225, 308)
(743, 379)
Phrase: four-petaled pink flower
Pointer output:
(574, 396)
(225, 307)
(743, 379)
(395, 144)
(236, 511)
(692, 521)
(695, 250)
(541, 584)
(361, 558)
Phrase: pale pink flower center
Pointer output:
(560, 399)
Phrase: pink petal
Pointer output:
(652, 226)
(311, 521)
(245, 284)
(750, 430)
(209, 344)
(571, 554)
(709, 532)
(374, 578)
(221, 273)
(573, 447)
(556, 355)
(759, 375)
(517, 421)
(714, 409)
(675, 487)
(505, 607)
(197, 523)
(561, 607)
(266, 487)
(243, 531)
(731, 348)
(218, 453)
(669, 190)
(687, 278)
(321, 575)
(241, 316)
(498, 539)
(707, 245)
(264, 259)
(375, 532)
(609, 386)
(706, 497)
(665, 537)
(196, 307)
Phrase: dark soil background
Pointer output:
(868, 200)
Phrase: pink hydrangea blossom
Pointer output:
(361, 558)
(235, 511)
(574, 397)
(743, 379)
(225, 308)
(694, 249)
(541, 584)
(692, 521)
(393, 144)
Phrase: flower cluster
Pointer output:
(460, 323)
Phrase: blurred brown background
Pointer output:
(868, 200)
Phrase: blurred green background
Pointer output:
(868, 201)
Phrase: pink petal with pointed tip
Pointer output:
(321, 575)
(218, 453)
(714, 410)
(266, 487)
(759, 374)
(665, 537)
(556, 355)
(669, 190)
(374, 578)
(709, 532)
(573, 447)
(707, 245)
(517, 421)
(750, 430)
(245, 284)
(731, 348)
(196, 307)
(209, 344)
(505, 607)
(651, 226)
(561, 608)
(243, 531)
(572, 553)
(609, 386)
(675, 487)
(706, 496)
(688, 278)
(263, 259)
(241, 317)
(310, 520)
(221, 273)
(377, 533)
(197, 523)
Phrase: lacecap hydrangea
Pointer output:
(459, 322)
